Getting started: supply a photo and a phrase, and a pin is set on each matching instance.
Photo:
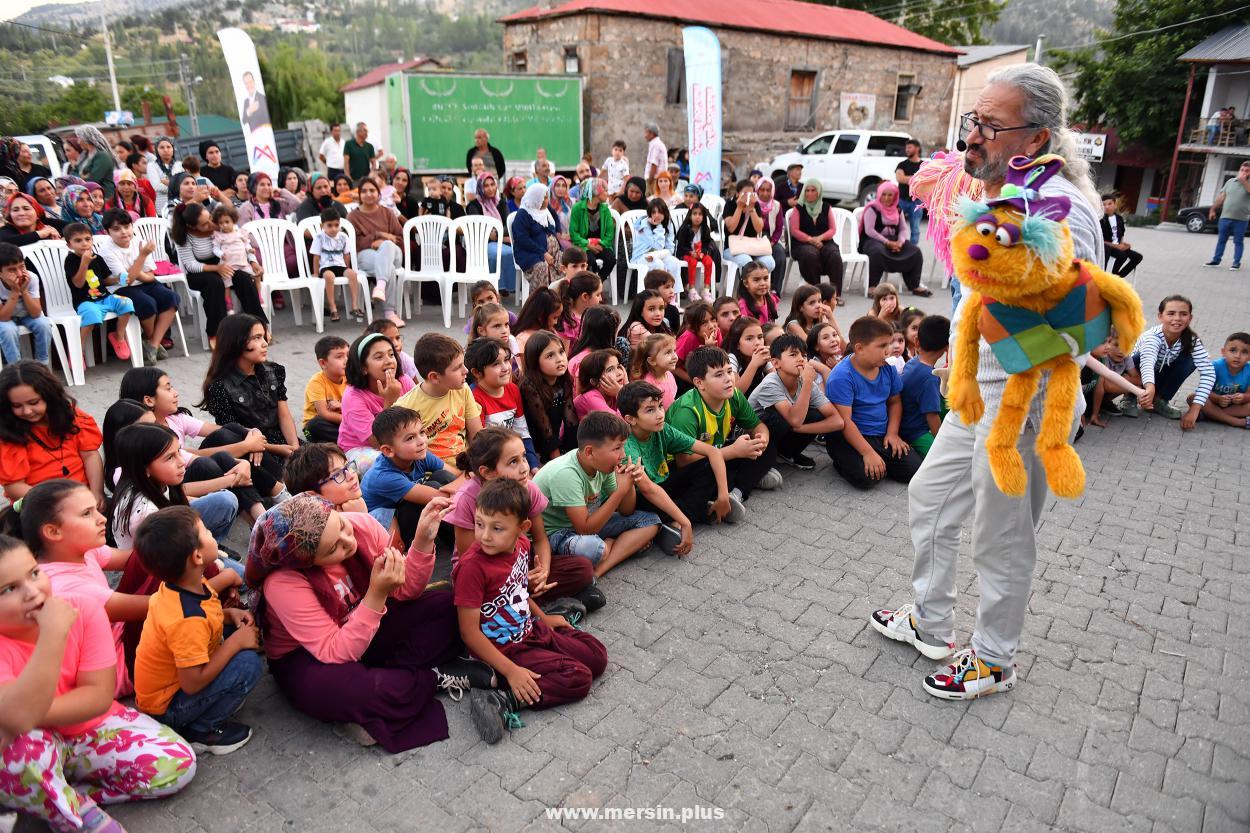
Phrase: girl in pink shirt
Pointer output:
(654, 361)
(351, 632)
(698, 329)
(66, 533)
(577, 294)
(601, 376)
(374, 383)
(58, 718)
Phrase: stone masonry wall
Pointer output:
(625, 63)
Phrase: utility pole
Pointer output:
(108, 52)
(188, 90)
(1037, 50)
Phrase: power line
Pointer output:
(64, 32)
(1152, 31)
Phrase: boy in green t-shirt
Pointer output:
(717, 413)
(592, 505)
(699, 490)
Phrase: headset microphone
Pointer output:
(961, 146)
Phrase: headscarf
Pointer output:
(299, 174)
(90, 137)
(889, 215)
(123, 174)
(70, 214)
(8, 182)
(555, 203)
(532, 204)
(815, 208)
(252, 181)
(286, 537)
(120, 176)
(765, 208)
(63, 182)
(691, 188)
(73, 142)
(35, 180)
(167, 170)
(39, 215)
(639, 204)
(204, 147)
(594, 185)
(513, 206)
(490, 208)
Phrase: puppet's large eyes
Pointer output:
(1004, 237)
(985, 229)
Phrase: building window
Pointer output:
(675, 86)
(518, 62)
(801, 106)
(572, 64)
(905, 97)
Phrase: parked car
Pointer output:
(849, 163)
(43, 151)
(1198, 219)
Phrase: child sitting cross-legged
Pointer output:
(68, 746)
(593, 506)
(791, 403)
(1229, 402)
(406, 476)
(323, 395)
(695, 492)
(545, 660)
(867, 393)
(191, 674)
(490, 362)
(922, 394)
(718, 413)
(441, 398)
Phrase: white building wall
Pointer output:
(369, 106)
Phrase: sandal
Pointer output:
(358, 314)
(922, 292)
(840, 302)
(334, 315)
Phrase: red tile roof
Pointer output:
(790, 17)
(378, 75)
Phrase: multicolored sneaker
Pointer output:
(968, 678)
(492, 711)
(1167, 410)
(900, 625)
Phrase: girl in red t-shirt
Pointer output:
(58, 718)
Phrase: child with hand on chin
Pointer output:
(545, 661)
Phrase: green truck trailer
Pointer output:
(433, 115)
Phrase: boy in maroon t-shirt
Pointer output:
(546, 661)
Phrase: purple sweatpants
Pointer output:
(568, 659)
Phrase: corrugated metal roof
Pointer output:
(977, 54)
(789, 17)
(378, 75)
(1230, 45)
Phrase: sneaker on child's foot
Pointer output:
(95, 820)
(492, 711)
(571, 609)
(394, 318)
(799, 461)
(694, 295)
(220, 741)
(379, 292)
(1166, 409)
(1129, 407)
(667, 539)
(355, 733)
(969, 677)
(709, 295)
(737, 509)
(462, 673)
(592, 597)
(771, 480)
(900, 625)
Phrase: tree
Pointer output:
(1135, 84)
(962, 23)
(80, 103)
(301, 84)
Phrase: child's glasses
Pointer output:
(340, 475)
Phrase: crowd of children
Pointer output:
(440, 521)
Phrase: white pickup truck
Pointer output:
(848, 163)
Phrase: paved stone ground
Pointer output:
(744, 677)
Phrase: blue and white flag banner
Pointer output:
(703, 106)
(249, 92)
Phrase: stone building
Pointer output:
(786, 68)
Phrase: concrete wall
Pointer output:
(625, 63)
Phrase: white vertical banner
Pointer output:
(703, 106)
(249, 92)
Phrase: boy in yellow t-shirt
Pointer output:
(323, 395)
(449, 412)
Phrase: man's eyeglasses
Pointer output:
(968, 122)
(340, 475)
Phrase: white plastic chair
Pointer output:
(48, 258)
(847, 238)
(270, 238)
(715, 205)
(476, 232)
(638, 269)
(156, 230)
(522, 285)
(309, 227)
(618, 252)
(432, 231)
(679, 216)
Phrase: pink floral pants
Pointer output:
(127, 757)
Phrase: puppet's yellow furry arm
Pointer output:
(964, 397)
(1125, 305)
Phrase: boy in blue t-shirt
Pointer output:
(1229, 401)
(922, 391)
(406, 475)
(867, 393)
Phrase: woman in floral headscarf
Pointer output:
(127, 197)
(99, 163)
(351, 632)
(76, 207)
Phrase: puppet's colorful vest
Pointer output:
(1022, 339)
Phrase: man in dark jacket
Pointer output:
(490, 155)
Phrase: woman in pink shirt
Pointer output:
(66, 745)
(351, 633)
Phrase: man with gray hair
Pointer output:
(1023, 110)
(657, 154)
(360, 155)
